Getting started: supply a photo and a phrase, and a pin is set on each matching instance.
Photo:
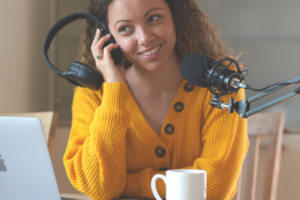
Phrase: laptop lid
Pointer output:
(26, 170)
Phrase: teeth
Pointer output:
(147, 53)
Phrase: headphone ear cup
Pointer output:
(86, 76)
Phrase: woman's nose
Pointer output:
(145, 36)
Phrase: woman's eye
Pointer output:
(124, 29)
(154, 18)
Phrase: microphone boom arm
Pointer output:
(242, 107)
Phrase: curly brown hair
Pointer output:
(194, 31)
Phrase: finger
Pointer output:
(109, 48)
(102, 41)
(97, 36)
(95, 51)
(98, 56)
(97, 48)
(107, 51)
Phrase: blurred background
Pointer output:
(267, 32)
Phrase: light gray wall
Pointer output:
(268, 32)
(67, 41)
(23, 71)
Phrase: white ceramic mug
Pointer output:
(182, 184)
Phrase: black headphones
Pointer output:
(79, 73)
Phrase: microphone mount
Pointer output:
(220, 79)
(243, 107)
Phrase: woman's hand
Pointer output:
(104, 61)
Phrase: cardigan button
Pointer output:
(178, 107)
(160, 152)
(169, 129)
(188, 87)
(163, 169)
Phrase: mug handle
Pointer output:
(153, 185)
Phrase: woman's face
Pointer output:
(144, 30)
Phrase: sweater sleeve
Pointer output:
(224, 147)
(95, 157)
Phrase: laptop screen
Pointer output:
(26, 170)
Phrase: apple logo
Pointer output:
(2, 166)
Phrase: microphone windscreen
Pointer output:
(193, 66)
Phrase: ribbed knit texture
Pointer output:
(111, 149)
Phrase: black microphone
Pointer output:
(203, 71)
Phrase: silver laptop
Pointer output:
(26, 170)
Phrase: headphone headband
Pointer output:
(65, 21)
(56, 28)
(78, 73)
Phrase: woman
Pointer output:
(147, 119)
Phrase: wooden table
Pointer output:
(84, 197)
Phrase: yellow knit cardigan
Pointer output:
(113, 152)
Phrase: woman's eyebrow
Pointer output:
(147, 13)
(122, 20)
(151, 11)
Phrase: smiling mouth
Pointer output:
(153, 51)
